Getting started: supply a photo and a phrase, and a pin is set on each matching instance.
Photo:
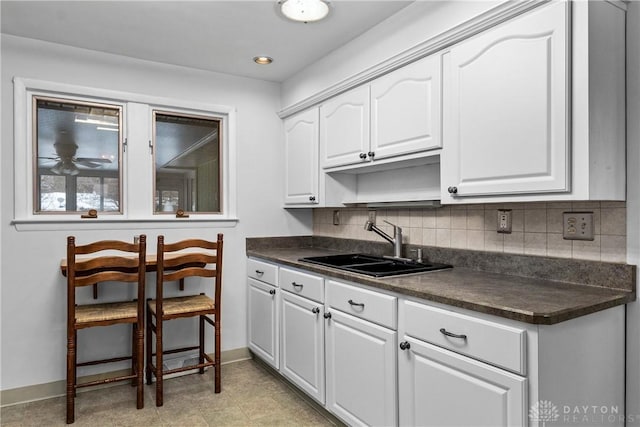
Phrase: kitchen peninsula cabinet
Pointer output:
(534, 108)
(301, 136)
(394, 115)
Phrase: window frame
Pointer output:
(137, 186)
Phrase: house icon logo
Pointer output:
(544, 411)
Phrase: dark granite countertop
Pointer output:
(528, 299)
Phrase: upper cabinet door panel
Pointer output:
(506, 119)
(344, 128)
(301, 158)
(405, 109)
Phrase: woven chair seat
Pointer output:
(106, 312)
(181, 305)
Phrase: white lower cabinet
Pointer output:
(382, 359)
(361, 371)
(264, 318)
(263, 324)
(438, 387)
(302, 338)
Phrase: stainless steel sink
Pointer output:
(372, 265)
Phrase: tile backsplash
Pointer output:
(536, 228)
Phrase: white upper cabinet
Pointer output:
(397, 114)
(344, 128)
(405, 109)
(534, 108)
(301, 158)
(506, 121)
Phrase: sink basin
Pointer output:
(373, 265)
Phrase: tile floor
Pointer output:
(251, 396)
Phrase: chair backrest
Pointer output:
(109, 260)
(188, 258)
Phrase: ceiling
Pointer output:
(220, 36)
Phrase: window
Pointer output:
(77, 156)
(187, 168)
(130, 157)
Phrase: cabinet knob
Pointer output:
(405, 345)
(312, 198)
(315, 310)
(371, 154)
(363, 156)
(452, 190)
(272, 291)
(327, 315)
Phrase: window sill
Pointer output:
(106, 223)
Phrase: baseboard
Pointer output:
(58, 388)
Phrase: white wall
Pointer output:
(633, 203)
(33, 295)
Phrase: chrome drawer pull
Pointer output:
(297, 285)
(356, 304)
(449, 334)
(259, 272)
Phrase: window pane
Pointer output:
(187, 165)
(77, 149)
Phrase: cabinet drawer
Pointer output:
(303, 284)
(490, 342)
(262, 271)
(369, 305)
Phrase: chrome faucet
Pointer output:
(396, 240)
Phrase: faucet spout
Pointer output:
(396, 240)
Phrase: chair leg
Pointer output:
(71, 376)
(134, 353)
(140, 365)
(149, 365)
(159, 362)
(201, 341)
(216, 328)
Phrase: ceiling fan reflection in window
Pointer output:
(67, 162)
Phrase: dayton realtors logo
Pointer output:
(544, 411)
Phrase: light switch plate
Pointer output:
(336, 217)
(577, 225)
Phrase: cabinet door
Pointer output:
(302, 338)
(344, 128)
(301, 158)
(405, 109)
(506, 108)
(361, 371)
(263, 322)
(440, 388)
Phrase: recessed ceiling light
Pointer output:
(304, 10)
(263, 60)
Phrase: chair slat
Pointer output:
(189, 258)
(190, 243)
(106, 245)
(189, 272)
(106, 276)
(101, 263)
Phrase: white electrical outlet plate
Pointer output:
(372, 216)
(577, 225)
(504, 220)
(336, 217)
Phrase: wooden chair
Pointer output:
(110, 261)
(201, 259)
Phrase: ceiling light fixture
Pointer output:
(304, 10)
(262, 60)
